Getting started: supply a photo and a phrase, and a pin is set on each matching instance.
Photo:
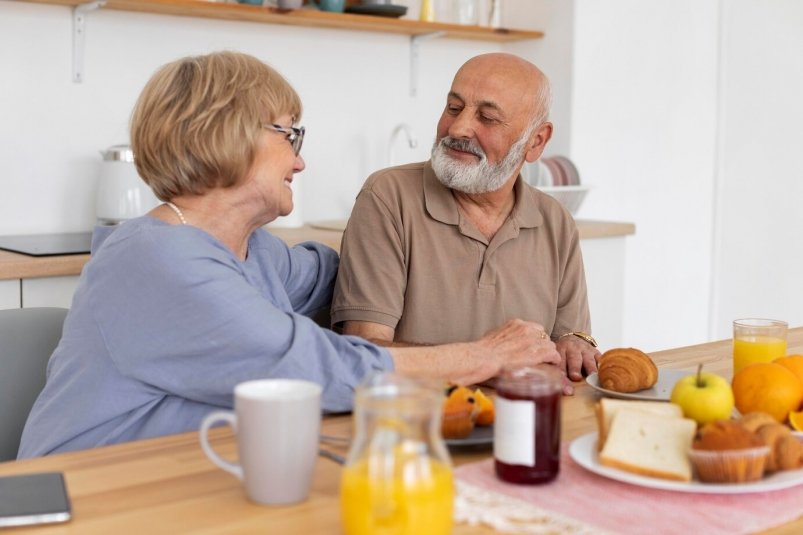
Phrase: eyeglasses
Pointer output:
(294, 135)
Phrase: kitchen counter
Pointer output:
(20, 266)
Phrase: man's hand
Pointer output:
(577, 355)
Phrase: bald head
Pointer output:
(494, 120)
(510, 77)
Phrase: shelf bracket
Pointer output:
(78, 37)
(415, 44)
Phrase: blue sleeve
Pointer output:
(189, 321)
(307, 270)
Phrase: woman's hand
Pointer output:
(516, 343)
(520, 343)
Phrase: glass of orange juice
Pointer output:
(757, 340)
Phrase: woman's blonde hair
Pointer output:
(196, 124)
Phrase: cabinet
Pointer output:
(45, 281)
(9, 293)
(44, 292)
(604, 262)
(48, 291)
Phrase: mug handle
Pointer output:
(211, 419)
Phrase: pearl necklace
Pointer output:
(177, 211)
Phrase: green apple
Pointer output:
(704, 397)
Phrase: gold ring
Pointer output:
(543, 335)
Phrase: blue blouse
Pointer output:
(166, 321)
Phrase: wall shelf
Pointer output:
(306, 17)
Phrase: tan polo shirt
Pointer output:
(411, 261)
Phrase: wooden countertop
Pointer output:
(604, 229)
(20, 266)
(167, 484)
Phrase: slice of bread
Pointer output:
(607, 408)
(649, 444)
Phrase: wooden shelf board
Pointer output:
(306, 17)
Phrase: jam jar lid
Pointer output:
(529, 380)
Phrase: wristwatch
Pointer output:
(581, 335)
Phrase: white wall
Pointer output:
(686, 120)
(643, 135)
(759, 257)
(354, 85)
(553, 55)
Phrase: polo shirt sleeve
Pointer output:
(182, 317)
(372, 278)
(572, 307)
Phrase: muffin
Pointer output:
(459, 412)
(726, 451)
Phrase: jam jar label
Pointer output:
(514, 431)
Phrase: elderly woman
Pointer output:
(178, 306)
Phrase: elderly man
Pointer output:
(443, 250)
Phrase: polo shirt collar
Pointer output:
(441, 206)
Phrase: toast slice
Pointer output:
(649, 444)
(607, 408)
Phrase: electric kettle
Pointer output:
(121, 193)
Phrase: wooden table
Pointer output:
(168, 485)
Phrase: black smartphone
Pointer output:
(33, 499)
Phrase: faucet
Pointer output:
(411, 140)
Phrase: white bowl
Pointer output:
(570, 197)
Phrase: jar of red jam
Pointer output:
(527, 424)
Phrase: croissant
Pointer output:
(785, 449)
(626, 370)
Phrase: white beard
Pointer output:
(481, 177)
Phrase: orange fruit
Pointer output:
(793, 363)
(485, 416)
(767, 387)
(796, 420)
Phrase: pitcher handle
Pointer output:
(203, 433)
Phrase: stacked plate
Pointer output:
(558, 177)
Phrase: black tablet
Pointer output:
(33, 499)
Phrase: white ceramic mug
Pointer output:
(277, 423)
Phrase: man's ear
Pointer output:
(538, 142)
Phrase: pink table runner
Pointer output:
(623, 508)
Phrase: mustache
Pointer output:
(464, 145)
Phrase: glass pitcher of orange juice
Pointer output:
(398, 475)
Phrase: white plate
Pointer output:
(660, 391)
(479, 435)
(584, 452)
